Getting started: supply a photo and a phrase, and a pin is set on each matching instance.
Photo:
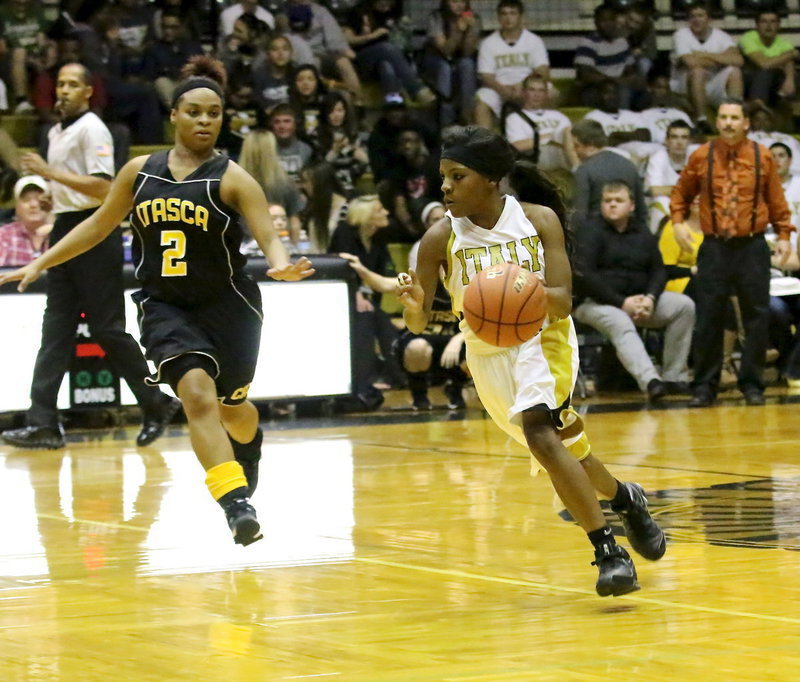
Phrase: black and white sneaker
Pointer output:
(242, 521)
(641, 530)
(617, 572)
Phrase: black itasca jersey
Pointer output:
(187, 241)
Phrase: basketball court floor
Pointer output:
(404, 547)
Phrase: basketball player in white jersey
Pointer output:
(526, 389)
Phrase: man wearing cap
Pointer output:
(79, 166)
(25, 238)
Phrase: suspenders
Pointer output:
(710, 176)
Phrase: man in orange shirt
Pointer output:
(740, 193)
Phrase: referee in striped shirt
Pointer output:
(80, 165)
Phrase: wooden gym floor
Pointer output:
(404, 547)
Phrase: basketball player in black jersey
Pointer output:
(199, 313)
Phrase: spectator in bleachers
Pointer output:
(605, 56)
(306, 92)
(135, 29)
(624, 128)
(663, 107)
(599, 166)
(27, 236)
(22, 31)
(681, 262)
(454, 32)
(131, 99)
(164, 57)
(293, 153)
(762, 130)
(319, 30)
(784, 309)
(706, 64)
(439, 351)
(339, 143)
(326, 204)
(356, 236)
(413, 183)
(623, 277)
(663, 170)
(229, 15)
(190, 17)
(505, 58)
(382, 141)
(769, 72)
(260, 159)
(240, 116)
(374, 30)
(241, 48)
(640, 32)
(556, 148)
(272, 76)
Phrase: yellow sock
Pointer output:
(225, 477)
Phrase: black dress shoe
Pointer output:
(754, 396)
(656, 390)
(702, 399)
(155, 422)
(678, 387)
(36, 437)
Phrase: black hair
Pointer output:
(738, 101)
(201, 71)
(783, 146)
(531, 185)
(517, 4)
(480, 149)
(678, 123)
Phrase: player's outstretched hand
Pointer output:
(409, 291)
(30, 273)
(293, 272)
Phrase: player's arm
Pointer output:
(417, 289)
(88, 233)
(559, 271)
(240, 190)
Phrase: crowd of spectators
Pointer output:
(300, 118)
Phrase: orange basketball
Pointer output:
(505, 305)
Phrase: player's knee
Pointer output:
(541, 435)
(418, 356)
(198, 395)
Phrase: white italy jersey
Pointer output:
(540, 372)
(472, 248)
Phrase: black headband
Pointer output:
(490, 160)
(194, 83)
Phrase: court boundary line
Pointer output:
(633, 597)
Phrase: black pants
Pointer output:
(90, 283)
(735, 267)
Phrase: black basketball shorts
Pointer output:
(227, 331)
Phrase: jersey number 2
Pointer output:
(172, 263)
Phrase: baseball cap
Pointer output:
(30, 181)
